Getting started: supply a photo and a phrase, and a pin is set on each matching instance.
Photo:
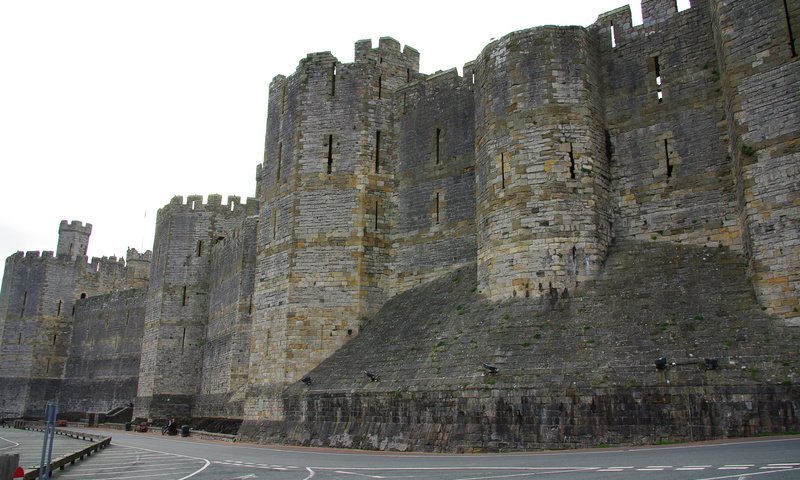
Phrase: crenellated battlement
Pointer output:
(214, 203)
(388, 49)
(133, 255)
(76, 226)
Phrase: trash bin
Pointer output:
(128, 426)
(184, 430)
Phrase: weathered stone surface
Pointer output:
(673, 144)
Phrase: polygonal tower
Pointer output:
(73, 238)
(324, 188)
(543, 215)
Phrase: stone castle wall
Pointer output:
(555, 143)
(226, 353)
(177, 300)
(102, 369)
(38, 308)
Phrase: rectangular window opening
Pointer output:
(280, 156)
(792, 46)
(666, 154)
(613, 36)
(48, 366)
(199, 248)
(283, 98)
(571, 162)
(183, 339)
(274, 223)
(183, 301)
(55, 336)
(376, 215)
(250, 306)
(408, 75)
(333, 79)
(19, 338)
(330, 154)
(503, 170)
(438, 144)
(437, 207)
(58, 310)
(377, 151)
(659, 93)
(380, 86)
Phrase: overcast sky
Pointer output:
(109, 108)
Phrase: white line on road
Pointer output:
(742, 476)
(9, 441)
(311, 473)
(357, 474)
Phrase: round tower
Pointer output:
(543, 211)
(73, 238)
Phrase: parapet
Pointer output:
(133, 255)
(388, 48)
(233, 204)
(75, 226)
(655, 11)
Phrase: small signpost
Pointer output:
(50, 414)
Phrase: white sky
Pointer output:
(109, 108)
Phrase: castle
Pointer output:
(553, 144)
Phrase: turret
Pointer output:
(73, 238)
(543, 212)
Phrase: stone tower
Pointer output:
(543, 212)
(177, 301)
(324, 188)
(73, 238)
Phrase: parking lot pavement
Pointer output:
(28, 444)
(128, 463)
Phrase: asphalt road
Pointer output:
(153, 457)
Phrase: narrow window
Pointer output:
(280, 160)
(250, 306)
(183, 301)
(274, 223)
(571, 162)
(503, 170)
(24, 301)
(437, 207)
(19, 338)
(377, 151)
(380, 86)
(127, 317)
(330, 154)
(283, 98)
(613, 36)
(666, 154)
(408, 75)
(48, 366)
(183, 339)
(55, 336)
(58, 312)
(789, 26)
(376, 215)
(199, 248)
(73, 309)
(659, 94)
(438, 144)
(333, 79)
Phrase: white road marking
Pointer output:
(358, 474)
(15, 444)
(745, 476)
(311, 473)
